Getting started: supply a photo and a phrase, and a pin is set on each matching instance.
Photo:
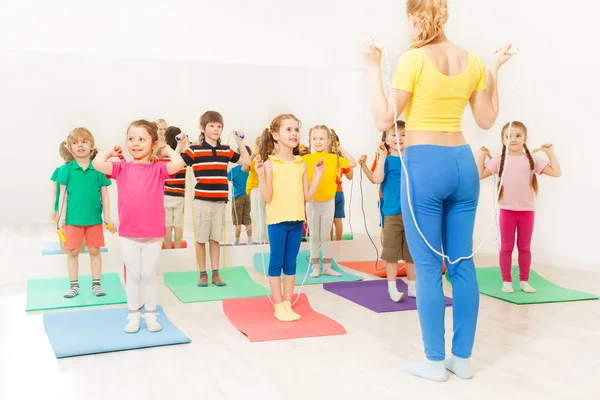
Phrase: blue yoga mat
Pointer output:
(301, 267)
(78, 333)
(53, 248)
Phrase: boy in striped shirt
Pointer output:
(174, 196)
(209, 160)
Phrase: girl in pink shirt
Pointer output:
(516, 167)
(141, 185)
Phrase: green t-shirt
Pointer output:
(84, 203)
(53, 179)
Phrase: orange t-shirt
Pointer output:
(338, 179)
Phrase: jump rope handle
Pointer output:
(110, 228)
(239, 134)
(60, 234)
(178, 139)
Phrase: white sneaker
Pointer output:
(507, 287)
(526, 288)
(134, 322)
(151, 322)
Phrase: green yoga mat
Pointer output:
(239, 285)
(490, 284)
(47, 294)
(302, 266)
(345, 236)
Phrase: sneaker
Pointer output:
(152, 322)
(133, 326)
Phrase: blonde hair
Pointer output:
(161, 121)
(65, 152)
(80, 133)
(516, 124)
(333, 142)
(431, 16)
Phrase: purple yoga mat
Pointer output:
(374, 295)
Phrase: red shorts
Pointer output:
(94, 236)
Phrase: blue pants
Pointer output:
(285, 239)
(340, 204)
(444, 190)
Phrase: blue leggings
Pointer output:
(285, 238)
(445, 209)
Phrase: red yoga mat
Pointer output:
(369, 267)
(183, 245)
(254, 318)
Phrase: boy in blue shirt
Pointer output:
(389, 172)
(240, 206)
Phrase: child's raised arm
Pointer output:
(368, 173)
(379, 172)
(346, 154)
(309, 191)
(100, 162)
(552, 169)
(264, 170)
(176, 162)
(481, 168)
(244, 156)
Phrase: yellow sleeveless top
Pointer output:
(438, 101)
(287, 202)
(252, 182)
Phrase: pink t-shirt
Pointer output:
(141, 189)
(518, 193)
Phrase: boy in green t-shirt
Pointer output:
(83, 200)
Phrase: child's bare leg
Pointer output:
(275, 285)
(238, 232)
(249, 234)
(178, 237)
(73, 267)
(169, 237)
(288, 293)
(339, 228)
(96, 266)
(201, 260)
(215, 257)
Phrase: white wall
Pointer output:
(252, 60)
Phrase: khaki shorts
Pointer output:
(174, 211)
(240, 211)
(209, 217)
(395, 247)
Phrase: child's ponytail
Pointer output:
(266, 145)
(534, 181)
(335, 144)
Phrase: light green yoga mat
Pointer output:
(345, 236)
(301, 267)
(490, 284)
(239, 285)
(47, 294)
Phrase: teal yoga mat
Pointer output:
(239, 285)
(490, 284)
(301, 267)
(47, 294)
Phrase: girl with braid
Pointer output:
(516, 169)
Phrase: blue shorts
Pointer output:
(381, 217)
(339, 205)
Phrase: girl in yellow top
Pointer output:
(283, 183)
(320, 211)
(434, 82)
(257, 205)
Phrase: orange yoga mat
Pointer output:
(369, 267)
(254, 318)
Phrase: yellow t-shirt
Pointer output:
(328, 185)
(287, 203)
(438, 101)
(252, 182)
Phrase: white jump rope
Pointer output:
(383, 49)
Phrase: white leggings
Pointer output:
(141, 261)
(320, 218)
(260, 224)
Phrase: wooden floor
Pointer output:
(545, 351)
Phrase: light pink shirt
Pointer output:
(518, 193)
(141, 189)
